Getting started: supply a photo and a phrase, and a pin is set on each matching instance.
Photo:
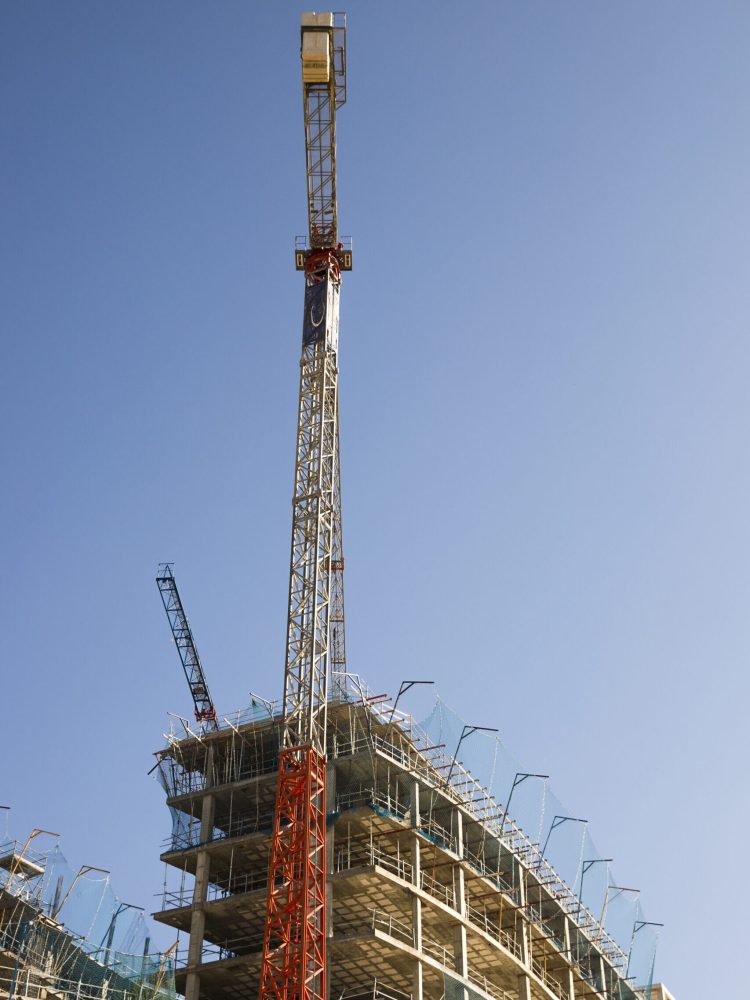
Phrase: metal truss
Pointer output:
(183, 637)
(321, 101)
(337, 623)
(313, 507)
(294, 947)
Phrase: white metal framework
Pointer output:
(322, 99)
(294, 941)
(337, 629)
(313, 507)
(315, 623)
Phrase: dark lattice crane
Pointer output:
(205, 713)
(294, 949)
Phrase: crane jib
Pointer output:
(205, 713)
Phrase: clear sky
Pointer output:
(544, 404)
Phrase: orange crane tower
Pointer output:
(294, 948)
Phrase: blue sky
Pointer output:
(544, 403)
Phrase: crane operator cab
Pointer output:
(316, 53)
(323, 50)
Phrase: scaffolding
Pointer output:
(64, 935)
(435, 890)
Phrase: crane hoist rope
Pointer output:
(294, 950)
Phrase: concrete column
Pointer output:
(524, 987)
(458, 870)
(459, 942)
(602, 972)
(200, 891)
(569, 979)
(524, 983)
(524, 942)
(417, 985)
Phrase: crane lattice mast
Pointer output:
(205, 713)
(294, 950)
(337, 630)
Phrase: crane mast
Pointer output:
(205, 713)
(294, 949)
(337, 631)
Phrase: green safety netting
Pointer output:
(96, 945)
(523, 795)
(564, 838)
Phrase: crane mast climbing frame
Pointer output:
(294, 948)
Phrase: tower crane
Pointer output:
(205, 713)
(294, 948)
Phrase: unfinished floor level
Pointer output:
(41, 955)
(432, 891)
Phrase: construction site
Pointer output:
(64, 933)
(325, 844)
(432, 890)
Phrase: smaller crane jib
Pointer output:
(205, 713)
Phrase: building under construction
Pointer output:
(326, 845)
(63, 933)
(432, 890)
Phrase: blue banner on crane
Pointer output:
(316, 308)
